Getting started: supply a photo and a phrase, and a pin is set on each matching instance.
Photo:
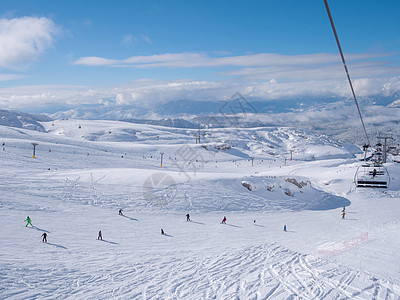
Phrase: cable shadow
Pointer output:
(130, 218)
(55, 245)
(39, 229)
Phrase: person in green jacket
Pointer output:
(28, 221)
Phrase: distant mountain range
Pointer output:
(334, 117)
(23, 120)
(109, 110)
(184, 108)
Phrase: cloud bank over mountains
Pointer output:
(151, 92)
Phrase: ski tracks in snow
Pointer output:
(266, 271)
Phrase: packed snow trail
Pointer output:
(268, 271)
(76, 189)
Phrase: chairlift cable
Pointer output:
(345, 66)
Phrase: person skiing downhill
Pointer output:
(28, 221)
(162, 231)
(100, 237)
(120, 212)
(343, 214)
(187, 217)
(223, 220)
(44, 235)
(284, 228)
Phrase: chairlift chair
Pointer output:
(372, 176)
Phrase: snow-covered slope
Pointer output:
(395, 103)
(22, 120)
(335, 117)
(85, 171)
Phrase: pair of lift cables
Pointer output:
(345, 67)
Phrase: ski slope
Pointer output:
(95, 168)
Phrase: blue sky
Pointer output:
(79, 52)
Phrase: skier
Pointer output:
(44, 235)
(120, 212)
(343, 214)
(187, 217)
(28, 221)
(162, 231)
(254, 221)
(223, 220)
(100, 237)
(374, 173)
(284, 228)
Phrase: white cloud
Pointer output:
(128, 39)
(94, 61)
(316, 72)
(156, 91)
(22, 40)
(145, 38)
(7, 77)
(262, 66)
(190, 60)
(263, 76)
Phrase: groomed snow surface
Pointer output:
(95, 168)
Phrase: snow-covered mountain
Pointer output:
(22, 120)
(395, 104)
(110, 110)
(336, 117)
(338, 120)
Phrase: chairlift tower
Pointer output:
(199, 134)
(385, 138)
(34, 149)
(365, 148)
(162, 154)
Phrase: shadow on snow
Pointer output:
(39, 229)
(109, 242)
(233, 225)
(130, 218)
(56, 245)
(197, 222)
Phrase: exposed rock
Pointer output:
(300, 184)
(247, 185)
